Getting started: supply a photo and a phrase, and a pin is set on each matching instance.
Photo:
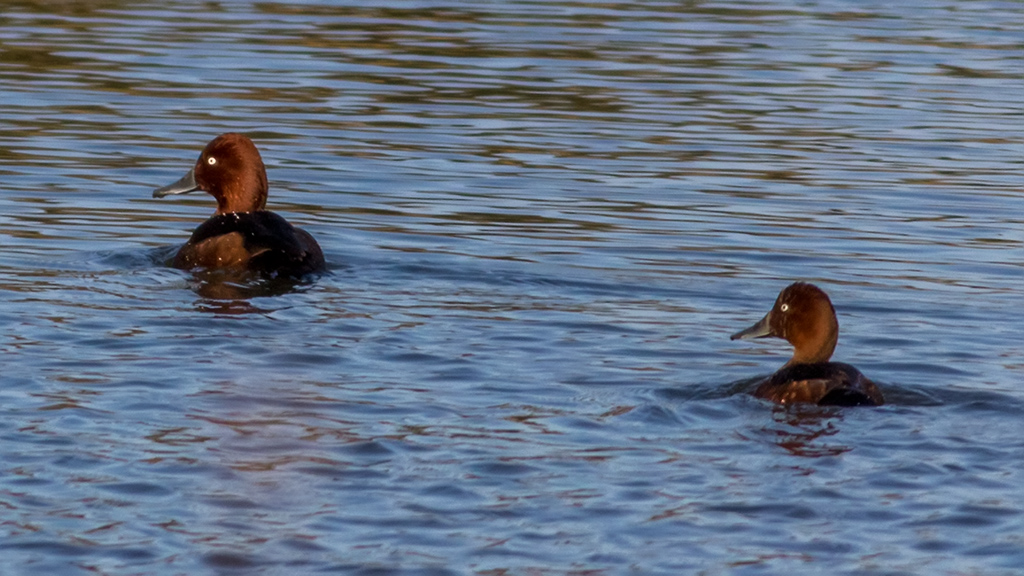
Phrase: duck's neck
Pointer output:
(229, 202)
(245, 193)
(817, 347)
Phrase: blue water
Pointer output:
(543, 220)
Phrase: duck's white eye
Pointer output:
(211, 160)
(784, 307)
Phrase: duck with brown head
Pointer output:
(803, 315)
(242, 233)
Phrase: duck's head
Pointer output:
(803, 316)
(229, 169)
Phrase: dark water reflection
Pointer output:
(542, 221)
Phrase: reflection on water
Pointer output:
(542, 222)
(806, 431)
(236, 288)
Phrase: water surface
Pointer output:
(543, 220)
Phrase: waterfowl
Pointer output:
(242, 233)
(803, 316)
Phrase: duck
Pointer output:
(242, 234)
(804, 316)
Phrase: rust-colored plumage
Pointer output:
(803, 315)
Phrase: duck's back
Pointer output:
(260, 241)
(822, 383)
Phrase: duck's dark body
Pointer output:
(822, 383)
(260, 241)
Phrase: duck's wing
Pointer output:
(854, 389)
(847, 397)
(788, 391)
(284, 249)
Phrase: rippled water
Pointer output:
(543, 220)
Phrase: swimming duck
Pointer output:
(242, 233)
(803, 315)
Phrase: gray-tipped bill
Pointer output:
(184, 186)
(759, 330)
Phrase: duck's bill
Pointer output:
(759, 330)
(184, 186)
